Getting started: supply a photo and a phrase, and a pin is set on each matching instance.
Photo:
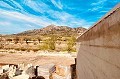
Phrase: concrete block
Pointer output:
(61, 70)
(30, 71)
(45, 70)
(18, 72)
(11, 71)
(23, 76)
(21, 66)
(5, 68)
(1, 70)
(55, 76)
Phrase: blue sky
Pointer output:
(20, 15)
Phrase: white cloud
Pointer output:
(97, 5)
(28, 20)
(104, 11)
(3, 4)
(2, 23)
(58, 4)
(99, 2)
(37, 6)
(16, 5)
(64, 18)
(16, 16)
(18, 22)
(95, 8)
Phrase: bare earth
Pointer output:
(35, 59)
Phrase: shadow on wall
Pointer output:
(73, 70)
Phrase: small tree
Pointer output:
(71, 43)
(44, 46)
(39, 39)
(51, 42)
(9, 39)
(26, 40)
(16, 40)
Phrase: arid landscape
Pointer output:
(59, 39)
(50, 38)
(41, 47)
(36, 58)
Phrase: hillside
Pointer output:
(57, 38)
(55, 30)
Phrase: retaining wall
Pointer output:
(99, 49)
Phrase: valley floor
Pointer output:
(36, 59)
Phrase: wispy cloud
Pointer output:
(5, 5)
(99, 2)
(104, 11)
(13, 4)
(95, 8)
(2, 23)
(64, 18)
(97, 5)
(37, 6)
(17, 15)
(57, 3)
(11, 15)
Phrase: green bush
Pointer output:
(71, 42)
(11, 52)
(51, 42)
(44, 46)
(22, 49)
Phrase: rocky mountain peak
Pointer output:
(53, 29)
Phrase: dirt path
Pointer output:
(35, 59)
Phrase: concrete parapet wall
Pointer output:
(99, 49)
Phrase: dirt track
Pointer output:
(35, 59)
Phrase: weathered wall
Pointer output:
(99, 49)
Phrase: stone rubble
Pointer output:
(22, 71)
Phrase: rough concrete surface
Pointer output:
(99, 49)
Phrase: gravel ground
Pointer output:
(36, 59)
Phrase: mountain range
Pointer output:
(54, 30)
